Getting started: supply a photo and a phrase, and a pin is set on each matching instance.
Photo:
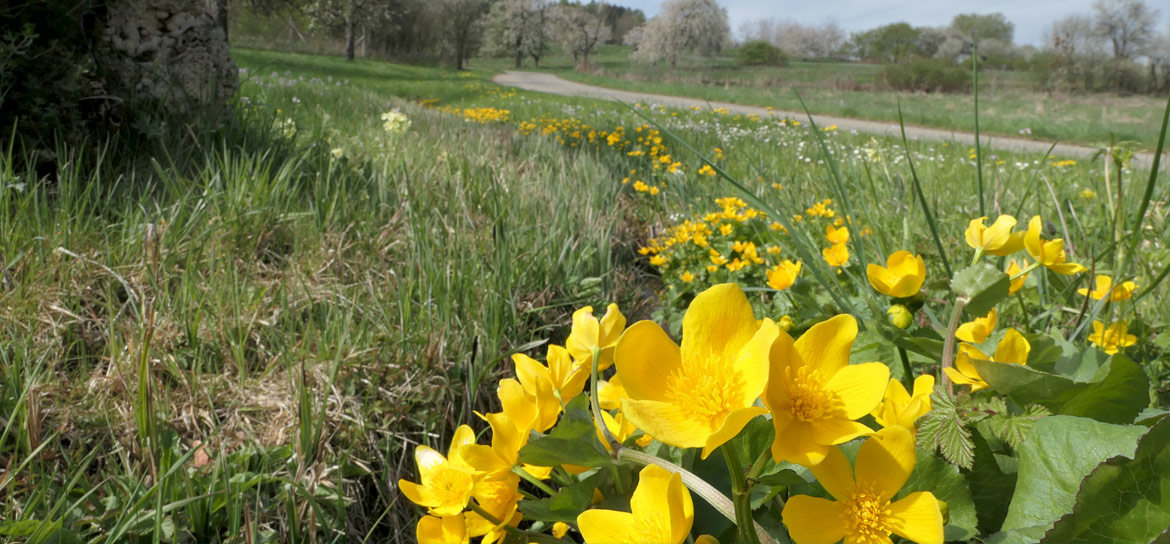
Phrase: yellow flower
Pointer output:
(560, 529)
(442, 530)
(687, 277)
(1104, 288)
(500, 498)
(706, 170)
(835, 235)
(815, 395)
(1049, 253)
(997, 239)
(1088, 194)
(610, 393)
(1012, 270)
(445, 483)
(901, 277)
(725, 229)
(702, 394)
(783, 275)
(658, 260)
(661, 512)
(862, 511)
(786, 323)
(1013, 349)
(551, 385)
(1111, 339)
(901, 408)
(588, 333)
(836, 255)
(977, 331)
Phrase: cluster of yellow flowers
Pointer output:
(1115, 336)
(482, 116)
(699, 394)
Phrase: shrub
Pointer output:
(928, 75)
(761, 53)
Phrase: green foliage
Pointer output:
(573, 441)
(943, 429)
(566, 505)
(760, 53)
(1124, 499)
(946, 482)
(1118, 391)
(1058, 453)
(984, 286)
(928, 75)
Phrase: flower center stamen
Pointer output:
(810, 401)
(868, 518)
(705, 388)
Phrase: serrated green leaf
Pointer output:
(983, 284)
(1014, 428)
(564, 506)
(943, 429)
(1054, 458)
(1119, 392)
(1125, 499)
(947, 484)
(573, 441)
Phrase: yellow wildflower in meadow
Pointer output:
(1049, 253)
(588, 332)
(783, 275)
(815, 395)
(836, 235)
(445, 483)
(836, 255)
(902, 276)
(661, 512)
(899, 407)
(1012, 349)
(1113, 338)
(978, 330)
(1017, 283)
(1104, 288)
(862, 511)
(706, 170)
(998, 239)
(702, 393)
(442, 530)
(552, 385)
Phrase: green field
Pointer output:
(1008, 104)
(243, 331)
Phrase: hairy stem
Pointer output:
(948, 358)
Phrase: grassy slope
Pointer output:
(1007, 103)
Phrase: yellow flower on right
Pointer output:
(783, 275)
(863, 511)
(1112, 338)
(901, 277)
(1049, 253)
(661, 511)
(1103, 287)
(997, 239)
(978, 330)
(1013, 348)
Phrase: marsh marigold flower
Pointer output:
(445, 483)
(900, 316)
(815, 395)
(1012, 349)
(1112, 338)
(1049, 253)
(588, 333)
(551, 385)
(862, 511)
(1016, 284)
(442, 530)
(997, 239)
(661, 512)
(783, 275)
(836, 254)
(837, 235)
(1104, 288)
(702, 394)
(978, 330)
(899, 407)
(901, 277)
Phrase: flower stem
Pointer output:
(614, 444)
(741, 495)
(948, 358)
(527, 536)
(528, 477)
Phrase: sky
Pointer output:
(1031, 17)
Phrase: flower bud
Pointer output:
(899, 316)
(786, 324)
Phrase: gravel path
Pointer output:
(549, 83)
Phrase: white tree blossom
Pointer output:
(578, 30)
(681, 27)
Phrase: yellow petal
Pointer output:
(732, 425)
(825, 347)
(813, 520)
(876, 274)
(833, 431)
(462, 437)
(667, 422)
(416, 493)
(428, 461)
(835, 474)
(923, 385)
(1014, 243)
(885, 461)
(917, 518)
(974, 232)
(660, 492)
(444, 530)
(797, 445)
(606, 527)
(518, 406)
(1032, 238)
(962, 379)
(1013, 348)
(645, 358)
(584, 334)
(719, 320)
(782, 355)
(753, 361)
(612, 325)
(998, 233)
(858, 388)
(484, 459)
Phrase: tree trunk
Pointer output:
(219, 10)
(519, 58)
(349, 30)
(536, 60)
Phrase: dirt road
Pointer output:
(549, 83)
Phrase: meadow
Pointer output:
(256, 330)
(1010, 105)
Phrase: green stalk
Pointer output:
(978, 148)
(948, 358)
(741, 495)
(525, 536)
(942, 252)
(907, 372)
